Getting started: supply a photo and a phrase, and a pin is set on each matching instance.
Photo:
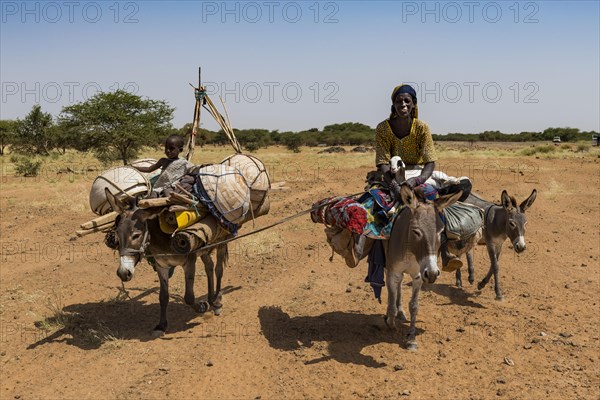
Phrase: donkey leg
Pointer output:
(458, 280)
(486, 278)
(496, 268)
(392, 308)
(163, 277)
(471, 267)
(222, 258)
(209, 268)
(400, 311)
(190, 272)
(413, 306)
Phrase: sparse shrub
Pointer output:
(545, 149)
(26, 166)
(581, 147)
(565, 146)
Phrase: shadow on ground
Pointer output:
(90, 325)
(346, 334)
(455, 295)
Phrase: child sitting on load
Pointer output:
(173, 167)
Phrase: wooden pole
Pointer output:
(102, 220)
(197, 110)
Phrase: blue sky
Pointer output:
(509, 66)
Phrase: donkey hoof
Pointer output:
(159, 330)
(481, 285)
(202, 307)
(471, 281)
(411, 346)
(217, 310)
(402, 316)
(459, 284)
(499, 298)
(391, 325)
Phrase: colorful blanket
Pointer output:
(368, 215)
(341, 212)
(378, 203)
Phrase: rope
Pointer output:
(200, 94)
(274, 224)
(124, 291)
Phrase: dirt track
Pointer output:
(295, 325)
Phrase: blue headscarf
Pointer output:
(409, 90)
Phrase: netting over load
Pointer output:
(124, 182)
(255, 173)
(225, 188)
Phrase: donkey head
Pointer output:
(516, 219)
(424, 229)
(132, 234)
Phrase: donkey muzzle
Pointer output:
(430, 270)
(519, 244)
(126, 268)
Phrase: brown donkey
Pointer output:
(138, 233)
(503, 221)
(412, 249)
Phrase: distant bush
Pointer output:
(26, 166)
(546, 149)
(252, 146)
(581, 147)
(565, 146)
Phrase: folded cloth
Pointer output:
(376, 268)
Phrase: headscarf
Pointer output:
(409, 90)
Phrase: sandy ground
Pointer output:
(294, 324)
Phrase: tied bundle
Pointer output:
(341, 212)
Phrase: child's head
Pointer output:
(173, 146)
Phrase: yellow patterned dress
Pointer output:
(415, 149)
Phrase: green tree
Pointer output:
(8, 132)
(292, 141)
(34, 133)
(117, 124)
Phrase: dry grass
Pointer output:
(554, 190)
(66, 322)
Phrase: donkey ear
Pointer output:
(529, 201)
(447, 200)
(115, 203)
(408, 196)
(505, 200)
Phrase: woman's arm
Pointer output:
(382, 147)
(427, 171)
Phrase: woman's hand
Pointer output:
(414, 182)
(395, 190)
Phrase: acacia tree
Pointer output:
(33, 133)
(8, 132)
(117, 124)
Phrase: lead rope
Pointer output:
(210, 246)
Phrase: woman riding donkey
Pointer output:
(403, 134)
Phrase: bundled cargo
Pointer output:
(223, 189)
(256, 176)
(124, 182)
(341, 212)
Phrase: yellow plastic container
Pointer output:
(171, 222)
(186, 218)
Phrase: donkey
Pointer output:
(138, 233)
(412, 249)
(506, 220)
